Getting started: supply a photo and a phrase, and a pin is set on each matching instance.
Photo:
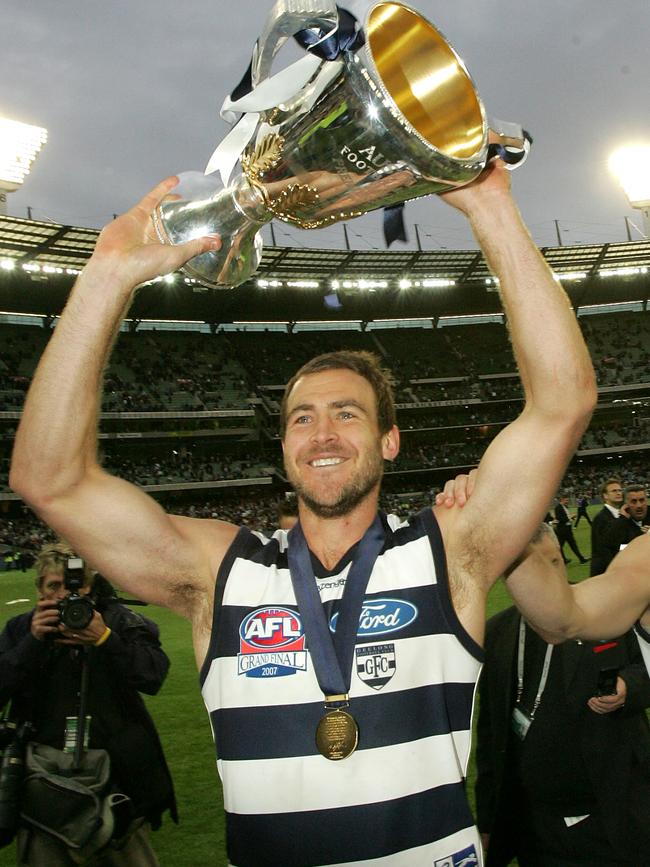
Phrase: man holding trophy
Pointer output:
(338, 660)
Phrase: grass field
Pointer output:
(181, 719)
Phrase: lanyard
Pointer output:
(332, 656)
(520, 669)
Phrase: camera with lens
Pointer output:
(75, 611)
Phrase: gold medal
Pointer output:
(337, 735)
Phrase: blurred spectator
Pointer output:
(581, 511)
(564, 529)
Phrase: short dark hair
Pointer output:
(607, 483)
(365, 364)
(632, 489)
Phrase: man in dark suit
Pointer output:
(564, 529)
(603, 548)
(633, 520)
(563, 773)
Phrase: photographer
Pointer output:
(41, 662)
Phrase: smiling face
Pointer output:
(333, 450)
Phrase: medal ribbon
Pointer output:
(332, 655)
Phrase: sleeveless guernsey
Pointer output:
(399, 800)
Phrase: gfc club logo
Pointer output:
(466, 858)
(271, 643)
(376, 664)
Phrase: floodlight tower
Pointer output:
(631, 165)
(20, 144)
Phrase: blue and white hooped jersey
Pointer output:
(399, 799)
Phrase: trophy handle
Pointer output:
(508, 141)
(288, 17)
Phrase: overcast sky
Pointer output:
(130, 92)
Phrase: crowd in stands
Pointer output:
(183, 467)
(582, 479)
(418, 456)
(462, 415)
(24, 532)
(183, 371)
(619, 346)
(616, 433)
(175, 372)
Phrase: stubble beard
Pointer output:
(357, 489)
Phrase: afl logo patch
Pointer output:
(380, 616)
(271, 643)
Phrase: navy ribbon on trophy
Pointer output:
(328, 46)
(348, 36)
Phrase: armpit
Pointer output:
(189, 600)
(467, 565)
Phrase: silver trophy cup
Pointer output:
(395, 119)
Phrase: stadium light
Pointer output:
(20, 144)
(631, 165)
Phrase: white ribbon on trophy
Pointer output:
(268, 92)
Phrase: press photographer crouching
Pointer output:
(94, 776)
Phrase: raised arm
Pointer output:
(120, 530)
(604, 606)
(522, 467)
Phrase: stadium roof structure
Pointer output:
(40, 260)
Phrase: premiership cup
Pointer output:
(394, 118)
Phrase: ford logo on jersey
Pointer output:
(271, 643)
(379, 616)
